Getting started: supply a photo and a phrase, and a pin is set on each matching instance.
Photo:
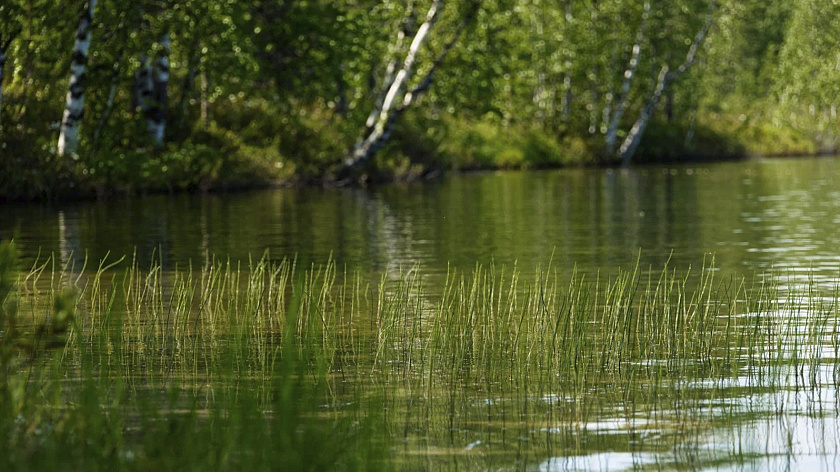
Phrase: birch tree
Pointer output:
(151, 84)
(629, 75)
(68, 139)
(156, 114)
(401, 89)
(664, 81)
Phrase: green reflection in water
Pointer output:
(698, 375)
(753, 215)
(491, 370)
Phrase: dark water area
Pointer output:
(750, 216)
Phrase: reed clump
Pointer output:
(322, 360)
(143, 381)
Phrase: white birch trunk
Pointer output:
(68, 139)
(143, 85)
(151, 84)
(156, 113)
(629, 74)
(666, 77)
(375, 137)
(368, 145)
(391, 68)
(634, 136)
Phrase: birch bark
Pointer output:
(151, 83)
(378, 132)
(665, 79)
(612, 130)
(156, 114)
(391, 68)
(398, 96)
(68, 139)
(142, 96)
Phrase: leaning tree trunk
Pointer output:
(663, 82)
(68, 139)
(391, 69)
(629, 75)
(377, 133)
(382, 124)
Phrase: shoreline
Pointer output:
(427, 174)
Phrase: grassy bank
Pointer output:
(249, 145)
(278, 366)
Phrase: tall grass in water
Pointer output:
(274, 365)
(180, 374)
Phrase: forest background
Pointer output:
(128, 96)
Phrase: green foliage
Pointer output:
(807, 72)
(485, 144)
(212, 158)
(766, 139)
(672, 142)
(274, 89)
(311, 142)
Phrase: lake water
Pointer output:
(773, 219)
(752, 216)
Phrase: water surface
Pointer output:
(773, 219)
(751, 216)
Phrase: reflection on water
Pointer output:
(770, 218)
(753, 216)
(804, 439)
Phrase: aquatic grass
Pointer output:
(129, 397)
(491, 357)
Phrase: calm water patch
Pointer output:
(766, 219)
(752, 216)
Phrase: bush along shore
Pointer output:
(98, 100)
(219, 159)
(273, 365)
